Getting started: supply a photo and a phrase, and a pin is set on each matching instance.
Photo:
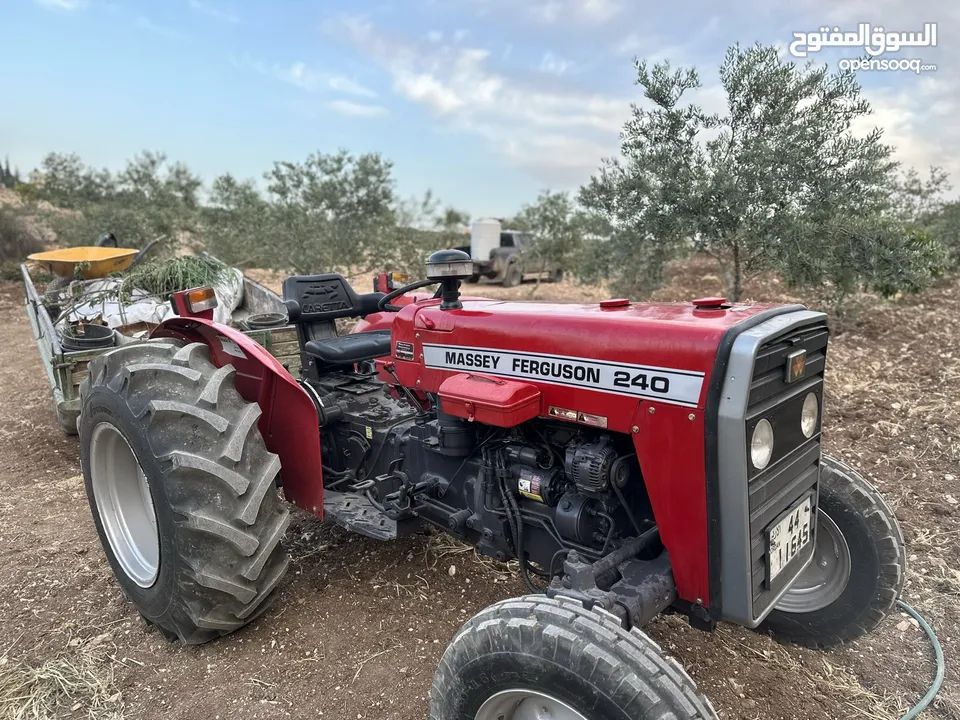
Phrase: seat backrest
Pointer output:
(326, 297)
(316, 302)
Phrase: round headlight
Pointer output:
(761, 444)
(809, 415)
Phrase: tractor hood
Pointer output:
(652, 351)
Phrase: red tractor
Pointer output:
(632, 457)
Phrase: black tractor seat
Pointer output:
(314, 304)
(349, 349)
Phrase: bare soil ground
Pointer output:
(359, 626)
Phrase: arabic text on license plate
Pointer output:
(788, 537)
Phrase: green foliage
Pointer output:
(421, 228)
(149, 198)
(946, 227)
(847, 253)
(331, 209)
(920, 203)
(71, 185)
(331, 213)
(165, 277)
(27, 192)
(917, 201)
(238, 226)
(452, 219)
(750, 186)
(556, 227)
(8, 178)
(326, 213)
(17, 240)
(515, 222)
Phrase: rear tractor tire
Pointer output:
(858, 568)
(182, 488)
(536, 657)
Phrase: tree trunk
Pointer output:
(736, 287)
(539, 275)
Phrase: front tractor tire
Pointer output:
(858, 568)
(536, 657)
(182, 488)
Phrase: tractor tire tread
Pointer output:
(641, 679)
(219, 478)
(865, 500)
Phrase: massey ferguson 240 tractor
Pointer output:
(632, 457)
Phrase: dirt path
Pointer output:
(359, 626)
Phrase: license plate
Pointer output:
(789, 536)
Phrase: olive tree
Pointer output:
(921, 202)
(331, 210)
(747, 186)
(556, 227)
(946, 227)
(149, 198)
(238, 224)
(329, 213)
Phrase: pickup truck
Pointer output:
(506, 263)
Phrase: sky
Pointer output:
(484, 102)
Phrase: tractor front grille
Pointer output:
(743, 502)
(793, 471)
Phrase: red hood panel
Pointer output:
(673, 342)
(675, 335)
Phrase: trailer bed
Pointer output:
(66, 369)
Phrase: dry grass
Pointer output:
(77, 682)
(442, 546)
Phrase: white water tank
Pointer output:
(484, 237)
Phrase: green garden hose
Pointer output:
(941, 667)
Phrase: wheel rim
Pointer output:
(122, 497)
(526, 705)
(826, 577)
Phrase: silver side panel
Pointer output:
(737, 588)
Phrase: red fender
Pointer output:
(288, 423)
(288, 420)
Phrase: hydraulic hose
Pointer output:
(941, 666)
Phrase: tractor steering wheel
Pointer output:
(384, 304)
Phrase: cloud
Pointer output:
(345, 107)
(62, 4)
(547, 12)
(917, 121)
(555, 65)
(146, 24)
(593, 12)
(656, 48)
(306, 78)
(556, 131)
(915, 111)
(214, 12)
(557, 125)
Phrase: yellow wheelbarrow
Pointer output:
(86, 262)
(91, 261)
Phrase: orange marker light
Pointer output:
(202, 299)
